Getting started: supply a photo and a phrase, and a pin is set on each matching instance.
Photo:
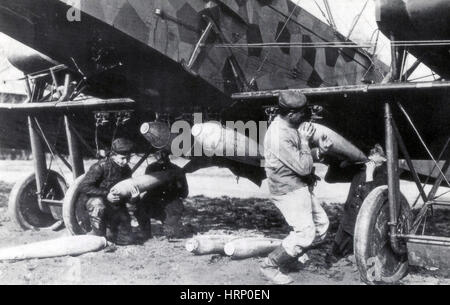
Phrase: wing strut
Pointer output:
(198, 47)
(330, 15)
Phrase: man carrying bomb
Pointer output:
(164, 202)
(290, 172)
(104, 207)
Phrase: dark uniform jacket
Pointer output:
(101, 177)
(170, 191)
(359, 190)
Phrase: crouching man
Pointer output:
(289, 168)
(105, 208)
(165, 202)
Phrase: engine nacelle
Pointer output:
(417, 21)
(25, 58)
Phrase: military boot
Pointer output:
(174, 228)
(272, 264)
(145, 225)
(125, 236)
(121, 229)
(137, 232)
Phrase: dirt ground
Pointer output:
(160, 261)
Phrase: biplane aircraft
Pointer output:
(100, 69)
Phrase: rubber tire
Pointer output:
(42, 220)
(75, 217)
(375, 208)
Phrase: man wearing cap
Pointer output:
(165, 202)
(290, 172)
(368, 177)
(103, 205)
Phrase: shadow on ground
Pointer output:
(162, 262)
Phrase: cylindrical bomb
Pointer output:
(341, 146)
(143, 183)
(250, 247)
(70, 245)
(208, 244)
(217, 140)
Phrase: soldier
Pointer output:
(165, 202)
(289, 169)
(104, 207)
(372, 175)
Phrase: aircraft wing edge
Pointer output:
(342, 90)
(85, 104)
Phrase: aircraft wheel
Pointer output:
(376, 261)
(75, 214)
(23, 206)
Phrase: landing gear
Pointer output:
(24, 202)
(386, 238)
(36, 202)
(376, 260)
(75, 214)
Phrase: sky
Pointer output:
(344, 13)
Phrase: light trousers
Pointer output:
(305, 215)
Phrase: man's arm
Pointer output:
(353, 187)
(90, 182)
(181, 181)
(297, 159)
(128, 173)
(376, 181)
(152, 167)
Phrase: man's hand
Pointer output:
(377, 159)
(325, 144)
(370, 169)
(306, 132)
(135, 193)
(113, 197)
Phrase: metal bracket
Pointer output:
(119, 117)
(198, 46)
